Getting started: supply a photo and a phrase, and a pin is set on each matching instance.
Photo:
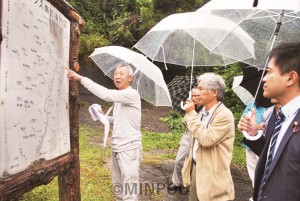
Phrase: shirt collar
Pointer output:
(204, 112)
(291, 107)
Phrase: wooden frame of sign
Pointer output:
(65, 166)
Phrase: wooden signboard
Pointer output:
(39, 39)
(34, 91)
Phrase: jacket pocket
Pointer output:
(186, 172)
(221, 184)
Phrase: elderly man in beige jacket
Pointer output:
(207, 169)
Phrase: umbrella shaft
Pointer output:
(279, 23)
(275, 33)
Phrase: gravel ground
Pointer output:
(159, 175)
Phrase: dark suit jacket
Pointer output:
(283, 182)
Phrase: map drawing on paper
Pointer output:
(34, 89)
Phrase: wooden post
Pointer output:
(69, 181)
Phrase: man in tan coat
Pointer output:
(207, 169)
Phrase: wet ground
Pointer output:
(154, 178)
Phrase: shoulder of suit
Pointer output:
(224, 110)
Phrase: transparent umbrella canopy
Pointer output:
(270, 23)
(147, 79)
(173, 41)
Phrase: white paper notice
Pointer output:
(34, 89)
(97, 115)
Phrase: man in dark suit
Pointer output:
(277, 175)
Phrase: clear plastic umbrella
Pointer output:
(270, 23)
(147, 79)
(173, 41)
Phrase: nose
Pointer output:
(264, 78)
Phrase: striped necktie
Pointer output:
(280, 118)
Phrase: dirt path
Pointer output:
(154, 178)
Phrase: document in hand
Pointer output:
(94, 110)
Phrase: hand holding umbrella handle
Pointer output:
(249, 137)
(181, 103)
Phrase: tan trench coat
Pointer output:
(213, 176)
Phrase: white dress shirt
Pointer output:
(289, 110)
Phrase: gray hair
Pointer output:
(213, 81)
(127, 66)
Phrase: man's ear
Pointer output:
(292, 78)
(215, 92)
(130, 78)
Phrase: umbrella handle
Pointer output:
(249, 137)
(253, 138)
(181, 103)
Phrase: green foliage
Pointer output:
(95, 177)
(174, 122)
(167, 7)
(106, 17)
(89, 42)
(165, 141)
(146, 18)
(111, 22)
(124, 22)
(239, 155)
(92, 12)
(43, 193)
(121, 29)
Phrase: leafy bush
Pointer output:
(174, 122)
(88, 43)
